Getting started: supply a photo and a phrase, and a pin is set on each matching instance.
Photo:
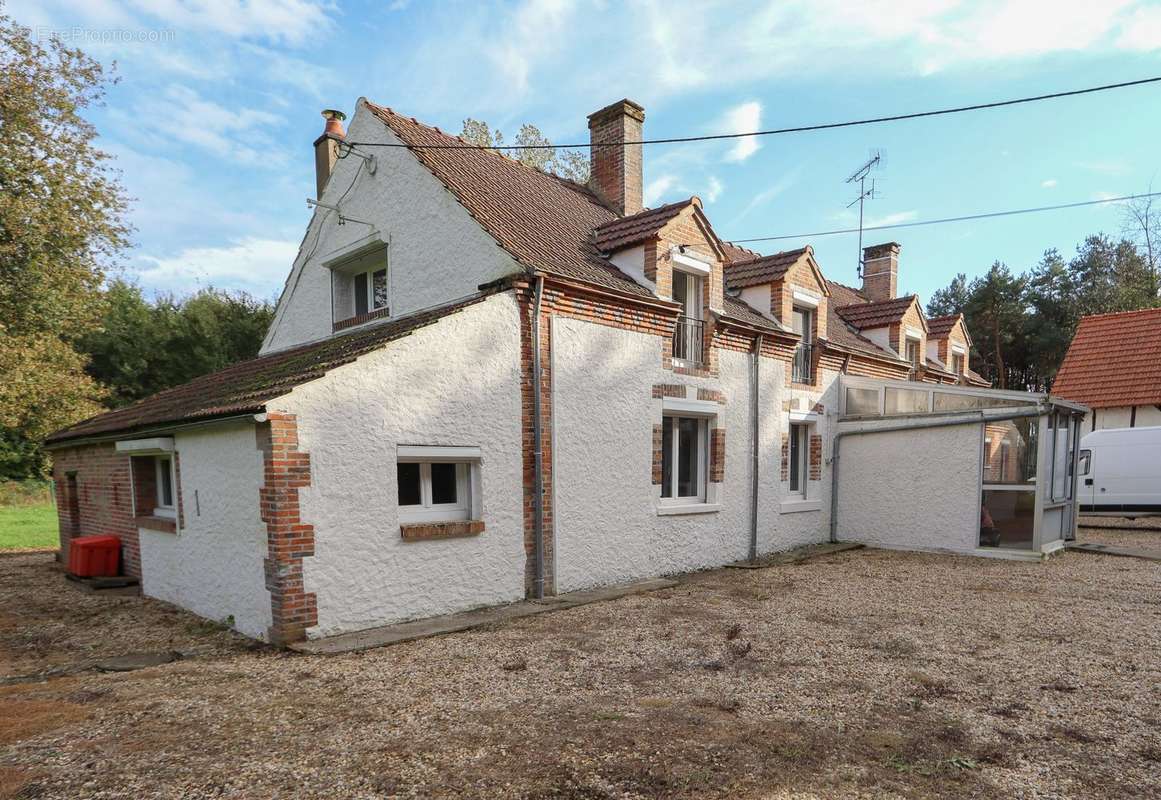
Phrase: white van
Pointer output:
(1120, 471)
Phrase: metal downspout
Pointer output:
(754, 450)
(537, 450)
(1039, 411)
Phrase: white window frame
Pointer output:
(701, 481)
(918, 362)
(799, 428)
(467, 505)
(371, 307)
(693, 305)
(161, 509)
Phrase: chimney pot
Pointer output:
(881, 271)
(326, 148)
(617, 168)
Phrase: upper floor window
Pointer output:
(370, 291)
(913, 351)
(360, 285)
(957, 363)
(688, 290)
(803, 324)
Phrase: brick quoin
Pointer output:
(103, 504)
(785, 457)
(717, 467)
(286, 469)
(815, 457)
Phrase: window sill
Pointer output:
(359, 319)
(160, 524)
(690, 508)
(797, 506)
(426, 531)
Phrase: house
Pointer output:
(1113, 366)
(484, 383)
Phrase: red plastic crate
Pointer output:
(95, 556)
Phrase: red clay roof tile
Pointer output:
(1114, 360)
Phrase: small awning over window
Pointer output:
(146, 447)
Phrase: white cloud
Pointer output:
(1050, 183)
(742, 119)
(289, 21)
(713, 189)
(256, 265)
(1112, 166)
(239, 135)
(1142, 30)
(655, 190)
(894, 218)
(1103, 195)
(769, 193)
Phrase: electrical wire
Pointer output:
(965, 218)
(775, 131)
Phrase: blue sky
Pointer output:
(219, 100)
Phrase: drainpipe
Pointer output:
(975, 419)
(754, 450)
(537, 450)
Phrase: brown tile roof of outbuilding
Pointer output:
(543, 221)
(247, 386)
(756, 270)
(1114, 360)
(877, 313)
(631, 230)
(940, 327)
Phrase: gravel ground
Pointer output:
(862, 674)
(1137, 537)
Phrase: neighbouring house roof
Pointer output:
(247, 386)
(1114, 360)
(742, 312)
(877, 313)
(636, 228)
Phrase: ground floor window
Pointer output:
(799, 452)
(684, 446)
(434, 491)
(163, 466)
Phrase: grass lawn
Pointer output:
(28, 526)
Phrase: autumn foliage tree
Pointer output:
(62, 225)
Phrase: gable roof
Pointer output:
(940, 327)
(543, 221)
(247, 386)
(1114, 360)
(877, 313)
(631, 230)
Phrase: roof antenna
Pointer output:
(860, 176)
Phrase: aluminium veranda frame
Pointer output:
(1054, 518)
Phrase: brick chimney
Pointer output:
(326, 149)
(617, 168)
(881, 271)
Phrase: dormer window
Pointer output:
(957, 363)
(689, 276)
(913, 351)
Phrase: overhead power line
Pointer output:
(775, 131)
(965, 218)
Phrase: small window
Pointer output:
(683, 458)
(163, 466)
(1085, 461)
(434, 491)
(913, 351)
(905, 401)
(862, 401)
(957, 363)
(370, 291)
(799, 449)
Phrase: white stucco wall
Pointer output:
(213, 566)
(606, 523)
(914, 490)
(453, 383)
(436, 251)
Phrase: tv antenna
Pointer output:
(860, 176)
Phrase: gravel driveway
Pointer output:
(862, 674)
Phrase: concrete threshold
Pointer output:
(796, 555)
(453, 623)
(1102, 549)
